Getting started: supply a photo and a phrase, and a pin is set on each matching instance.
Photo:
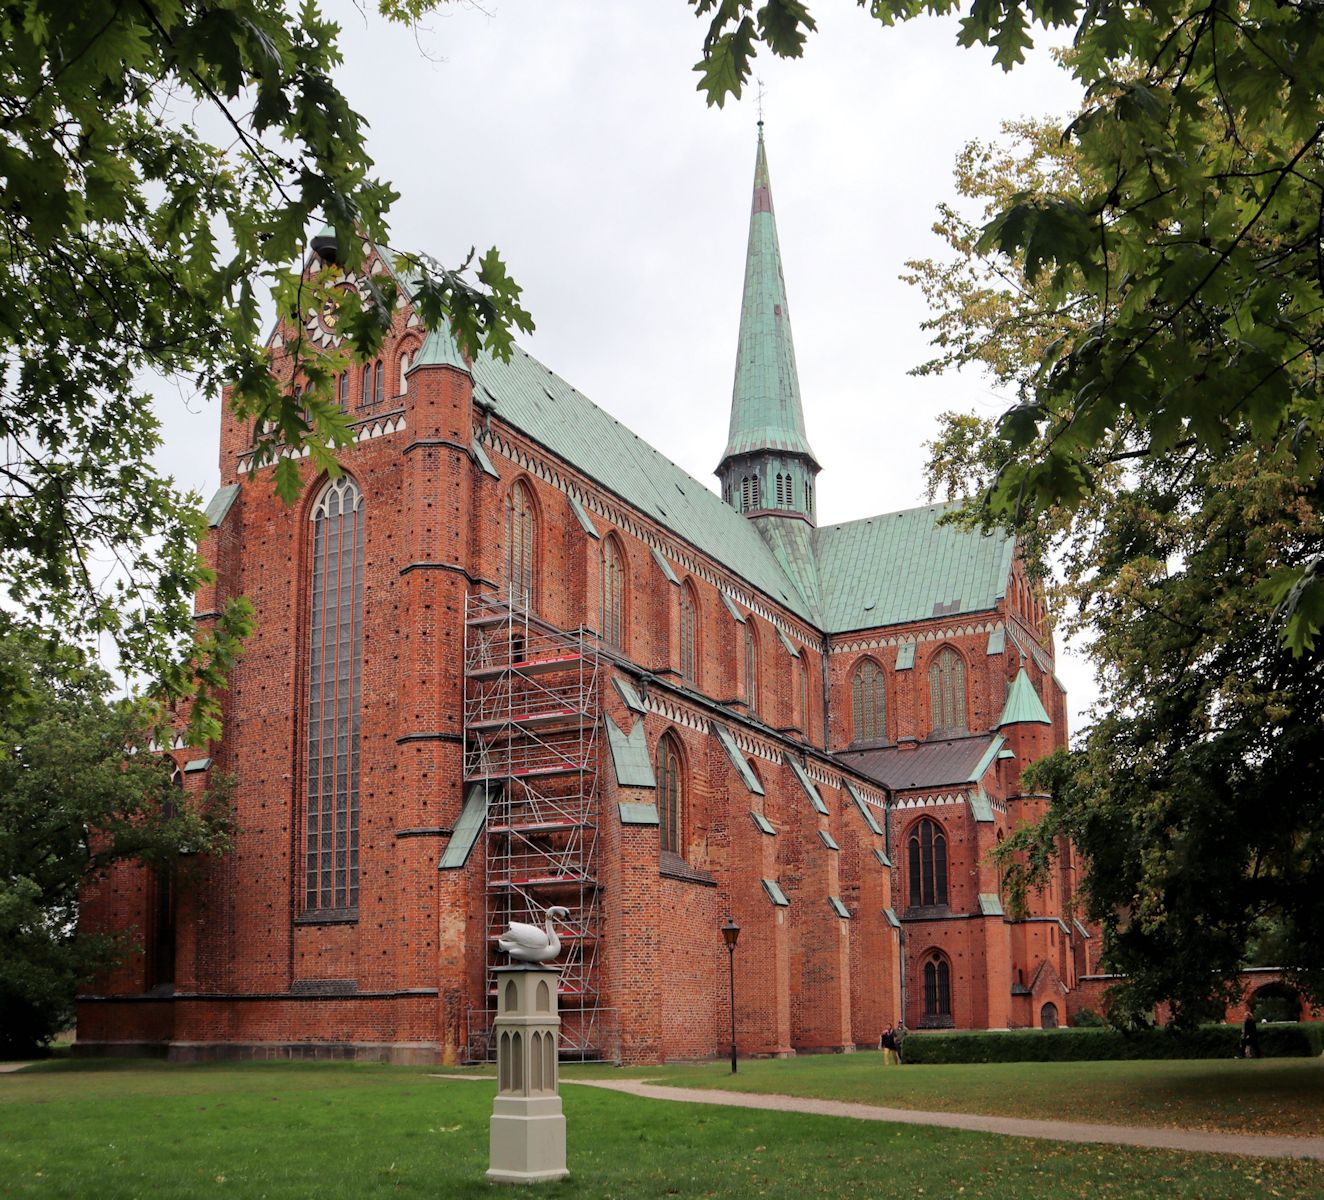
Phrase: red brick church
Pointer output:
(514, 658)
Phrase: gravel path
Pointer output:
(1255, 1145)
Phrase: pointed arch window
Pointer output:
(746, 493)
(869, 702)
(331, 866)
(670, 794)
(365, 397)
(947, 691)
(379, 384)
(521, 545)
(689, 634)
(751, 668)
(754, 497)
(926, 851)
(342, 389)
(613, 593)
(937, 986)
(790, 490)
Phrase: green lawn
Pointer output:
(1279, 1095)
(333, 1130)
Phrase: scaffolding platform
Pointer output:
(532, 719)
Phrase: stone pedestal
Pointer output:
(527, 1129)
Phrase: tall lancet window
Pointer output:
(670, 795)
(751, 668)
(868, 702)
(689, 634)
(521, 545)
(613, 593)
(947, 691)
(331, 868)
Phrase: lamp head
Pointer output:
(730, 933)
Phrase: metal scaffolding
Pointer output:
(531, 726)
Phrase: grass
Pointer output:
(1282, 1095)
(111, 1130)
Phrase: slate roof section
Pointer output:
(990, 905)
(905, 566)
(928, 765)
(637, 814)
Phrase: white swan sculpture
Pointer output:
(528, 943)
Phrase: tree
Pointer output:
(80, 789)
(1193, 245)
(1151, 285)
(1192, 797)
(135, 245)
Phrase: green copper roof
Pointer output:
(765, 403)
(551, 412)
(1023, 703)
(905, 566)
(629, 755)
(467, 829)
(439, 349)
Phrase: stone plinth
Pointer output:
(527, 1128)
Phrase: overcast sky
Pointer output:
(569, 134)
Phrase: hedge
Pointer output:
(1077, 1045)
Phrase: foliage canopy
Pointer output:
(1149, 281)
(135, 244)
(80, 789)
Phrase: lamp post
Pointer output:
(730, 934)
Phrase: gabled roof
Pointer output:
(906, 566)
(544, 406)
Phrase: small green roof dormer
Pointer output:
(768, 467)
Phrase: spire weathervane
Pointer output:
(761, 94)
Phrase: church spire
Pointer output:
(768, 466)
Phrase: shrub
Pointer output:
(1087, 1018)
(1078, 1045)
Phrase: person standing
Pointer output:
(890, 1046)
(1250, 1037)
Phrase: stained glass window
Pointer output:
(689, 635)
(937, 987)
(751, 668)
(947, 691)
(868, 702)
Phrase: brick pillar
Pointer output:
(434, 568)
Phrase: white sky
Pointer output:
(570, 135)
